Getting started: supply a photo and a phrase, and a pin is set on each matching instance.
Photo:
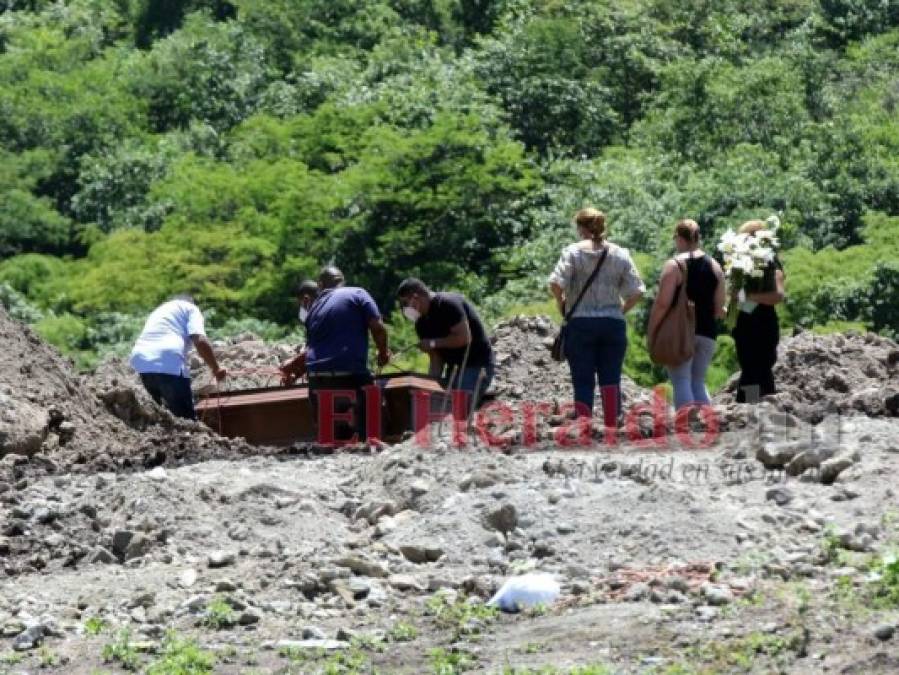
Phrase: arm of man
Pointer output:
(293, 368)
(459, 336)
(774, 297)
(435, 364)
(667, 285)
(204, 349)
(379, 335)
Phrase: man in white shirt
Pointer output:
(160, 354)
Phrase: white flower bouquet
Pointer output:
(746, 256)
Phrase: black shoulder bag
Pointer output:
(558, 349)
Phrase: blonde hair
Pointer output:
(688, 230)
(752, 226)
(593, 221)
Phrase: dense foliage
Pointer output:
(229, 148)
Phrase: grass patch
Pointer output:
(886, 586)
(464, 617)
(590, 669)
(181, 656)
(10, 658)
(402, 632)
(47, 657)
(743, 652)
(344, 662)
(219, 614)
(121, 652)
(94, 626)
(445, 662)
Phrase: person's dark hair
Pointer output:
(186, 297)
(410, 286)
(330, 277)
(306, 287)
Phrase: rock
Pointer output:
(495, 540)
(248, 617)
(374, 511)
(225, 586)
(884, 631)
(780, 495)
(346, 635)
(832, 468)
(479, 479)
(101, 555)
(363, 567)
(219, 559)
(359, 588)
(157, 474)
(637, 592)
(138, 546)
(120, 541)
(716, 595)
(580, 588)
(405, 582)
(777, 454)
(144, 599)
(312, 645)
(29, 638)
(421, 553)
(677, 583)
(45, 515)
(24, 429)
(543, 549)
(808, 459)
(707, 613)
(187, 578)
(565, 528)
(419, 488)
(313, 633)
(504, 518)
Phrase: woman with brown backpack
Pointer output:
(682, 327)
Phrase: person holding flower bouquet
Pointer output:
(756, 285)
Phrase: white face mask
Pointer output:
(411, 313)
(302, 314)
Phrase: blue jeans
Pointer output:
(468, 380)
(595, 350)
(688, 379)
(172, 391)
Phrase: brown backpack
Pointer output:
(672, 342)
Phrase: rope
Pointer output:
(218, 393)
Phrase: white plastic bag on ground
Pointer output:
(525, 591)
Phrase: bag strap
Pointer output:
(590, 279)
(682, 286)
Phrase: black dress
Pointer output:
(756, 336)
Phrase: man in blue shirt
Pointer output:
(160, 354)
(338, 322)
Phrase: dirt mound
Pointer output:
(46, 408)
(845, 373)
(525, 370)
(61, 420)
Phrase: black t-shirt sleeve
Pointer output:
(452, 311)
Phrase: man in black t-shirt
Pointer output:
(452, 335)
